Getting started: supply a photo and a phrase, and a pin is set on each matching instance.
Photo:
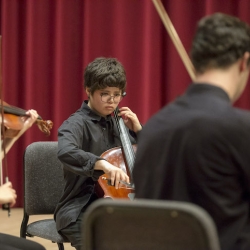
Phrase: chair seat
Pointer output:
(45, 229)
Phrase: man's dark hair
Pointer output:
(219, 42)
(104, 72)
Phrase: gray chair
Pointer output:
(43, 186)
(147, 225)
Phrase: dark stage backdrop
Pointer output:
(48, 43)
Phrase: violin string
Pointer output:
(15, 111)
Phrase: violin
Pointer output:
(122, 157)
(12, 121)
(14, 118)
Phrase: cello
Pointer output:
(122, 157)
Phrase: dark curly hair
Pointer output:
(104, 72)
(219, 42)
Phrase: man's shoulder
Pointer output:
(175, 117)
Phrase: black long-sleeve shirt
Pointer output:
(82, 138)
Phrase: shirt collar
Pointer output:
(93, 115)
(200, 88)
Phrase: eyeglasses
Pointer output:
(116, 98)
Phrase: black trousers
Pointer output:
(10, 242)
(73, 231)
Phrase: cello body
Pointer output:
(103, 188)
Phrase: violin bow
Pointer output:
(2, 144)
(175, 38)
(1, 166)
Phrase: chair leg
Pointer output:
(60, 246)
(24, 226)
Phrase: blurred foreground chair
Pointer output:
(147, 225)
(43, 185)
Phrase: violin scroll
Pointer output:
(45, 126)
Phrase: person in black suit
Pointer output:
(197, 148)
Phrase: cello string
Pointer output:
(128, 148)
(117, 118)
(126, 138)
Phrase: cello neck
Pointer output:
(127, 147)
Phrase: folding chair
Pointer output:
(43, 186)
(147, 225)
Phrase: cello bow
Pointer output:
(174, 37)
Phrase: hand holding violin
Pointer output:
(15, 117)
(29, 120)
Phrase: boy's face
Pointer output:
(104, 101)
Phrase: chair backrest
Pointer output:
(147, 225)
(43, 178)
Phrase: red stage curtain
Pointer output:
(48, 43)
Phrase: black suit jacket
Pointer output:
(197, 149)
